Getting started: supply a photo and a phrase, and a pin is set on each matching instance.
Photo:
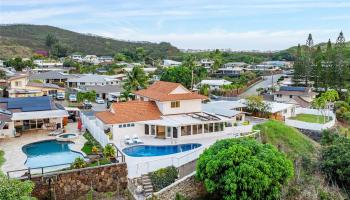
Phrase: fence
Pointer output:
(177, 161)
(312, 126)
(95, 131)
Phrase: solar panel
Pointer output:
(28, 104)
(289, 88)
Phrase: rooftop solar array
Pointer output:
(289, 88)
(28, 104)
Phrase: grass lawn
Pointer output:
(290, 140)
(87, 148)
(311, 118)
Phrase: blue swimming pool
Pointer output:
(149, 150)
(48, 153)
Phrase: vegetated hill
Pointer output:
(293, 50)
(308, 182)
(33, 37)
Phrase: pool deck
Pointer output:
(142, 165)
(15, 157)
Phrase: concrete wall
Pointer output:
(187, 186)
(73, 184)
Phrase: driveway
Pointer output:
(267, 82)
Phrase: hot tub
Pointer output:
(67, 137)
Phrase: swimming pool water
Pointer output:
(48, 153)
(68, 135)
(149, 150)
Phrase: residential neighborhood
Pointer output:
(175, 101)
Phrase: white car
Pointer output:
(60, 96)
(99, 100)
(73, 98)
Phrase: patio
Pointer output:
(15, 157)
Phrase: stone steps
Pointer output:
(147, 185)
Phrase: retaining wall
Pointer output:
(76, 183)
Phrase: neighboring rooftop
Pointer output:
(223, 108)
(52, 75)
(94, 78)
(43, 85)
(290, 90)
(131, 111)
(168, 91)
(217, 82)
(104, 88)
(27, 104)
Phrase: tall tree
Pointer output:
(317, 69)
(50, 40)
(179, 74)
(218, 61)
(136, 79)
(308, 61)
(190, 62)
(299, 69)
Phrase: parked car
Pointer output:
(87, 104)
(99, 100)
(73, 98)
(60, 96)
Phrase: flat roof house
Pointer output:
(168, 111)
(54, 77)
(18, 115)
(215, 84)
(92, 80)
(301, 96)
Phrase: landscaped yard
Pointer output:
(2, 159)
(312, 118)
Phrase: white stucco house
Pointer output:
(169, 111)
(215, 84)
(301, 96)
(92, 80)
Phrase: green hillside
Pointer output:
(20, 38)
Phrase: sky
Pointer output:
(191, 24)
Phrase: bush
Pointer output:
(163, 177)
(336, 159)
(78, 163)
(13, 189)
(109, 151)
(244, 169)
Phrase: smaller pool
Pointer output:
(150, 150)
(70, 135)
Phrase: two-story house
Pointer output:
(92, 80)
(166, 110)
(21, 86)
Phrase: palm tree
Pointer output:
(320, 104)
(135, 79)
(109, 151)
(190, 62)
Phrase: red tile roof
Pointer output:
(131, 111)
(161, 91)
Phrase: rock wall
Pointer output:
(76, 183)
(188, 186)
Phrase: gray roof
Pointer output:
(223, 108)
(52, 75)
(95, 78)
(105, 88)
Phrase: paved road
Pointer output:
(267, 82)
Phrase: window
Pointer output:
(200, 128)
(206, 128)
(221, 128)
(153, 130)
(185, 130)
(239, 118)
(146, 129)
(120, 126)
(211, 128)
(18, 83)
(6, 126)
(124, 125)
(194, 130)
(132, 125)
(175, 104)
(168, 131)
(279, 95)
(228, 124)
(216, 127)
(128, 125)
(290, 96)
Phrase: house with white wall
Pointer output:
(93, 80)
(18, 115)
(215, 84)
(168, 111)
(301, 96)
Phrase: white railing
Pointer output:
(177, 161)
(95, 131)
(312, 126)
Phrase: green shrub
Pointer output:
(13, 189)
(163, 177)
(109, 151)
(244, 169)
(78, 163)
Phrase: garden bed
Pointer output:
(90, 143)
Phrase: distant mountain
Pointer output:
(23, 40)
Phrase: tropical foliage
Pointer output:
(244, 169)
(163, 177)
(78, 163)
(109, 151)
(336, 158)
(136, 79)
(88, 95)
(257, 105)
(13, 189)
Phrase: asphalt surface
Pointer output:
(267, 82)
